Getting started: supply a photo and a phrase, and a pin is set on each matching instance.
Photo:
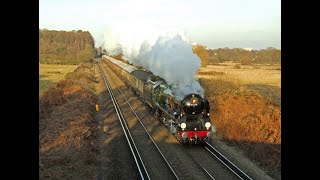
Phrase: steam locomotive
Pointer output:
(188, 118)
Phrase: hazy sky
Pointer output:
(214, 23)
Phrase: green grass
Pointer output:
(50, 74)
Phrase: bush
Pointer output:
(52, 97)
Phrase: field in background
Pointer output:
(50, 74)
(246, 108)
(263, 79)
(248, 74)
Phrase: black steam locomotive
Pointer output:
(188, 118)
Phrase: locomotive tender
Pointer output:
(188, 118)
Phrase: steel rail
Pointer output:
(138, 160)
(237, 171)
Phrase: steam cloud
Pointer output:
(168, 55)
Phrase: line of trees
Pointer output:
(269, 55)
(63, 47)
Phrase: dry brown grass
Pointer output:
(67, 129)
(248, 74)
(50, 74)
(213, 73)
(237, 66)
(247, 114)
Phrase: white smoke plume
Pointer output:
(168, 55)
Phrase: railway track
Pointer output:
(237, 171)
(137, 158)
(214, 163)
(207, 158)
(133, 147)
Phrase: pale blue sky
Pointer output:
(214, 23)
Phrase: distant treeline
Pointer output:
(264, 56)
(62, 47)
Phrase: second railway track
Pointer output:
(138, 137)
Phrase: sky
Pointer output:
(214, 23)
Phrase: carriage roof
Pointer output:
(127, 67)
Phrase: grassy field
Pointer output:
(246, 108)
(50, 74)
(247, 74)
(263, 79)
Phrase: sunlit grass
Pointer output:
(50, 74)
(248, 74)
(245, 103)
